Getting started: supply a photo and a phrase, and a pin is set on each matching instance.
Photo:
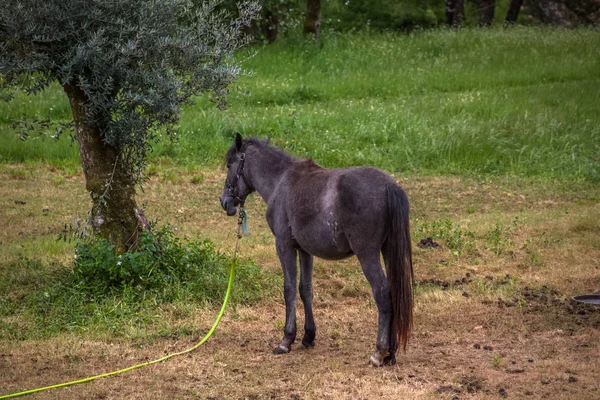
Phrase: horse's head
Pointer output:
(237, 185)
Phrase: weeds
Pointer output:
(495, 287)
(172, 176)
(18, 174)
(197, 179)
(163, 265)
(58, 180)
(109, 293)
(279, 325)
(457, 238)
(497, 361)
(498, 239)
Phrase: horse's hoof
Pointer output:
(375, 362)
(305, 346)
(281, 349)
(389, 360)
(378, 358)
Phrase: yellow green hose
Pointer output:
(91, 378)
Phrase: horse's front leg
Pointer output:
(306, 294)
(287, 257)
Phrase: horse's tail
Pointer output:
(398, 253)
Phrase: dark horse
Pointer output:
(332, 214)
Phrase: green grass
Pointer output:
(133, 295)
(510, 102)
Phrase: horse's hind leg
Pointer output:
(287, 257)
(306, 294)
(371, 267)
(391, 359)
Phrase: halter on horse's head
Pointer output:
(236, 190)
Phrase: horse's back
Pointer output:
(331, 209)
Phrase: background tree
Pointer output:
(455, 12)
(486, 12)
(289, 17)
(566, 13)
(513, 11)
(312, 22)
(274, 17)
(127, 67)
(270, 21)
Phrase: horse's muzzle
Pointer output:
(229, 204)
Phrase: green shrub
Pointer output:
(129, 295)
(165, 265)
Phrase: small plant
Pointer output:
(352, 289)
(266, 239)
(498, 240)
(457, 239)
(18, 173)
(152, 170)
(58, 180)
(335, 334)
(496, 360)
(197, 179)
(171, 175)
(69, 170)
(495, 287)
(279, 324)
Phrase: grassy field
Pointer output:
(519, 102)
(495, 136)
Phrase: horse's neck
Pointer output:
(267, 170)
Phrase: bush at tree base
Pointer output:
(163, 264)
(130, 296)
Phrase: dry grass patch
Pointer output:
(493, 313)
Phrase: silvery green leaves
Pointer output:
(137, 61)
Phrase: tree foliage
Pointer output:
(136, 61)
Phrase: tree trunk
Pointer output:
(455, 12)
(312, 23)
(271, 25)
(459, 14)
(486, 12)
(449, 12)
(513, 11)
(112, 189)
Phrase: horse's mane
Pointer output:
(262, 144)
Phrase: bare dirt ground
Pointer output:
(493, 316)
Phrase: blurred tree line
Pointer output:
(311, 16)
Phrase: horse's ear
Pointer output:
(267, 139)
(238, 141)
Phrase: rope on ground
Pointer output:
(145, 364)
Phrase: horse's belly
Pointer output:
(323, 240)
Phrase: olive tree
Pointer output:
(127, 68)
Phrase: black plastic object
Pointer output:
(588, 298)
